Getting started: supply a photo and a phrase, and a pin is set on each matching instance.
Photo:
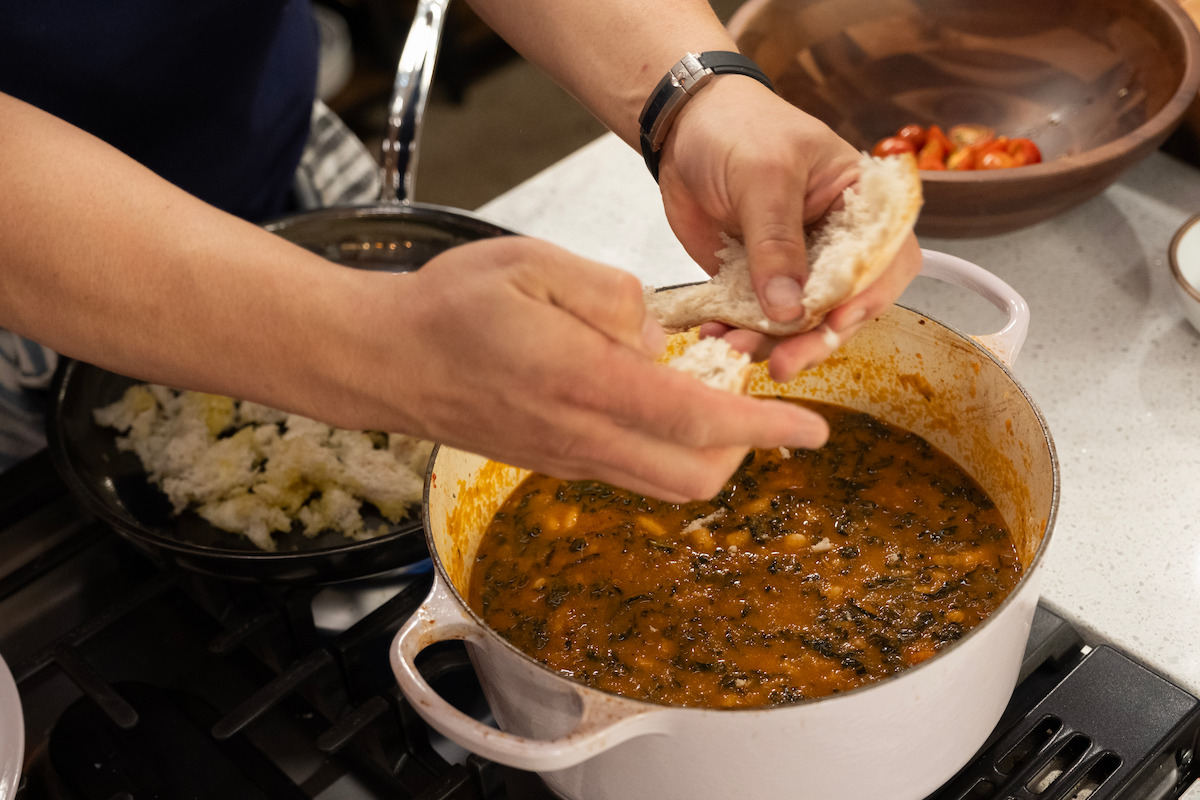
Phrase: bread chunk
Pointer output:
(714, 362)
(846, 253)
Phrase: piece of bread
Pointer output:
(845, 255)
(716, 363)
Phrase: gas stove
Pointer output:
(138, 679)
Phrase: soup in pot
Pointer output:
(811, 573)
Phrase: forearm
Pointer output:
(102, 260)
(610, 54)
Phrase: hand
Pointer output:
(741, 160)
(521, 351)
(789, 356)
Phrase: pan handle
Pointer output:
(604, 721)
(414, 74)
(1005, 343)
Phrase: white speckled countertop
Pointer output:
(1109, 358)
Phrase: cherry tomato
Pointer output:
(998, 144)
(937, 148)
(913, 133)
(964, 147)
(1024, 151)
(995, 159)
(893, 146)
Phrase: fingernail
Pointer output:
(654, 339)
(783, 293)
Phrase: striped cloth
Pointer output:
(335, 169)
(25, 371)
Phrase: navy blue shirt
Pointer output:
(213, 95)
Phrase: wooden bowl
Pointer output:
(1097, 84)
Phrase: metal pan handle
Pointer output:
(414, 74)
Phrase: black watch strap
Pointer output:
(683, 80)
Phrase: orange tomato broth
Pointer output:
(811, 573)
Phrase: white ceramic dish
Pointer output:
(1184, 255)
(915, 729)
(12, 734)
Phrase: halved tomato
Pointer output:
(961, 159)
(970, 135)
(935, 134)
(1024, 151)
(964, 147)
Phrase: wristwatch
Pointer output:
(683, 80)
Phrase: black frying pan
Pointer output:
(395, 235)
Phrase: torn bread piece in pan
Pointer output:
(846, 254)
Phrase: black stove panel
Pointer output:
(1094, 724)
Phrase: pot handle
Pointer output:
(410, 91)
(604, 721)
(1005, 343)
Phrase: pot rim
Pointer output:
(1035, 565)
(400, 211)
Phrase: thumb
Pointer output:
(773, 233)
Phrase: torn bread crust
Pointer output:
(845, 254)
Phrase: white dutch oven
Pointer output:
(899, 738)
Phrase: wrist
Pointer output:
(684, 81)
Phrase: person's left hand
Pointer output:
(742, 161)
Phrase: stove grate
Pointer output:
(1108, 728)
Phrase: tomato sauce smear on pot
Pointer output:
(811, 573)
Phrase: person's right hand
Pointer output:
(742, 161)
(518, 350)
